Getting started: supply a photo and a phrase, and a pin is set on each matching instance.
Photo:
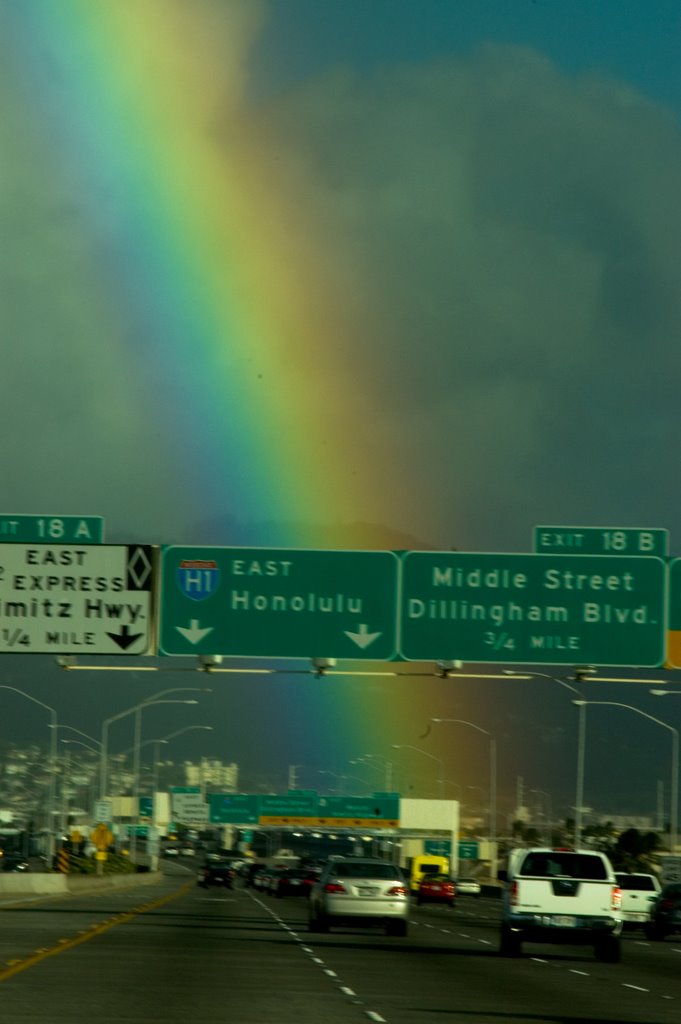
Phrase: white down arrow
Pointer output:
(364, 637)
(194, 633)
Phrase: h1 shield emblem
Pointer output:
(198, 578)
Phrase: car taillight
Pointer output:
(397, 890)
(616, 898)
(334, 887)
(513, 898)
(667, 904)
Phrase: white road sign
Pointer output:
(75, 599)
(189, 807)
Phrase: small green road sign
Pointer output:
(545, 609)
(600, 540)
(438, 847)
(51, 529)
(468, 849)
(286, 603)
(386, 807)
(146, 807)
(233, 808)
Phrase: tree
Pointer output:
(635, 851)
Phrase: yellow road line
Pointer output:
(63, 944)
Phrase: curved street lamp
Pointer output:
(492, 782)
(426, 753)
(52, 788)
(136, 708)
(342, 777)
(370, 759)
(581, 672)
(166, 739)
(674, 808)
(80, 732)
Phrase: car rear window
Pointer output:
(564, 864)
(642, 883)
(345, 869)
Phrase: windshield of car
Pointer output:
(564, 864)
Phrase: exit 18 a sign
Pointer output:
(279, 602)
(51, 529)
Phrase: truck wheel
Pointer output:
(510, 944)
(608, 949)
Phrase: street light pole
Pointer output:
(52, 787)
(492, 784)
(426, 753)
(674, 808)
(388, 767)
(167, 739)
(581, 672)
(136, 762)
(103, 767)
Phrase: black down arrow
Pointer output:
(124, 639)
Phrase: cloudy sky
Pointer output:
(436, 248)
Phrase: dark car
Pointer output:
(217, 872)
(436, 889)
(14, 862)
(665, 915)
(250, 870)
(293, 882)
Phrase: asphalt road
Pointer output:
(177, 953)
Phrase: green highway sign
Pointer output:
(438, 847)
(300, 806)
(288, 804)
(545, 609)
(600, 540)
(386, 806)
(285, 603)
(51, 529)
(233, 808)
(468, 849)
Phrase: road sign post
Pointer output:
(674, 635)
(546, 609)
(75, 599)
(287, 603)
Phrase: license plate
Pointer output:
(367, 891)
(564, 921)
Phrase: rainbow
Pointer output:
(205, 267)
(215, 285)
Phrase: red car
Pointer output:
(436, 889)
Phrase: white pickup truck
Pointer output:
(561, 896)
(638, 893)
